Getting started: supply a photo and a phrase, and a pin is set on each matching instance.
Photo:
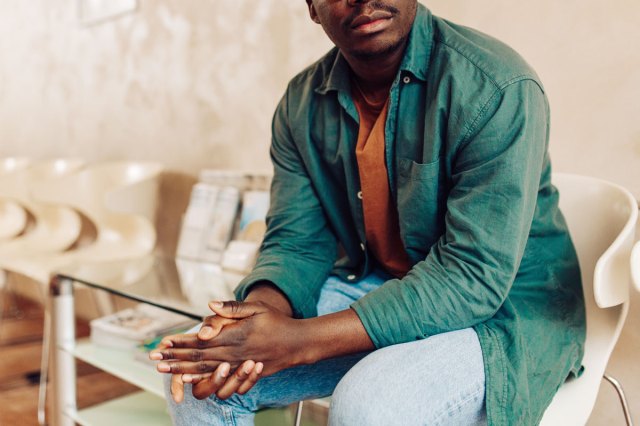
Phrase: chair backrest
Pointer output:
(56, 227)
(635, 265)
(601, 217)
(13, 217)
(119, 198)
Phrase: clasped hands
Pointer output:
(232, 350)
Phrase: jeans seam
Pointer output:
(479, 388)
(227, 412)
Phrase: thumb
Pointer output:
(235, 310)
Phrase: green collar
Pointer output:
(415, 60)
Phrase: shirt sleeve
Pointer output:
(299, 247)
(469, 272)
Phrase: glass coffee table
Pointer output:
(179, 286)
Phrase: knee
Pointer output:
(354, 401)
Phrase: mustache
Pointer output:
(369, 8)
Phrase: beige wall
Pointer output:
(190, 83)
(586, 53)
(193, 83)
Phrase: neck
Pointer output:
(375, 74)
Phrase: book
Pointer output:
(128, 328)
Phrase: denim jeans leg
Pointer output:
(439, 380)
(436, 381)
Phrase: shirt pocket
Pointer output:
(421, 205)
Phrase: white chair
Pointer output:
(635, 265)
(56, 228)
(13, 217)
(120, 199)
(601, 217)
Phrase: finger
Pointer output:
(187, 367)
(210, 385)
(212, 325)
(235, 380)
(194, 355)
(235, 310)
(195, 378)
(253, 378)
(184, 341)
(177, 388)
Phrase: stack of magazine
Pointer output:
(131, 327)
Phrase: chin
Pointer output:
(376, 48)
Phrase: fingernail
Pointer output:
(247, 368)
(216, 305)
(163, 367)
(156, 356)
(167, 343)
(259, 368)
(187, 378)
(224, 370)
(205, 333)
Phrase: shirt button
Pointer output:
(406, 79)
(351, 277)
(360, 195)
(362, 246)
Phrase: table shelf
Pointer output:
(120, 363)
(139, 408)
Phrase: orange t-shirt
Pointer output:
(381, 221)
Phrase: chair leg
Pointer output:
(298, 414)
(623, 400)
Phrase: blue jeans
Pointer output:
(435, 381)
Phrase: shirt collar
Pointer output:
(415, 60)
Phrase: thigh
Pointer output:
(435, 381)
(281, 389)
(337, 295)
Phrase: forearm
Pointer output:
(333, 335)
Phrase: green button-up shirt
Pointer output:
(466, 151)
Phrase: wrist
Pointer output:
(268, 293)
(329, 336)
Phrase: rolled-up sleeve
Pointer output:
(299, 247)
(468, 273)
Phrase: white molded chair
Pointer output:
(120, 199)
(635, 265)
(602, 218)
(13, 217)
(56, 228)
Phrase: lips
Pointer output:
(377, 15)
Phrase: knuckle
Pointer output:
(195, 355)
(202, 367)
(199, 394)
